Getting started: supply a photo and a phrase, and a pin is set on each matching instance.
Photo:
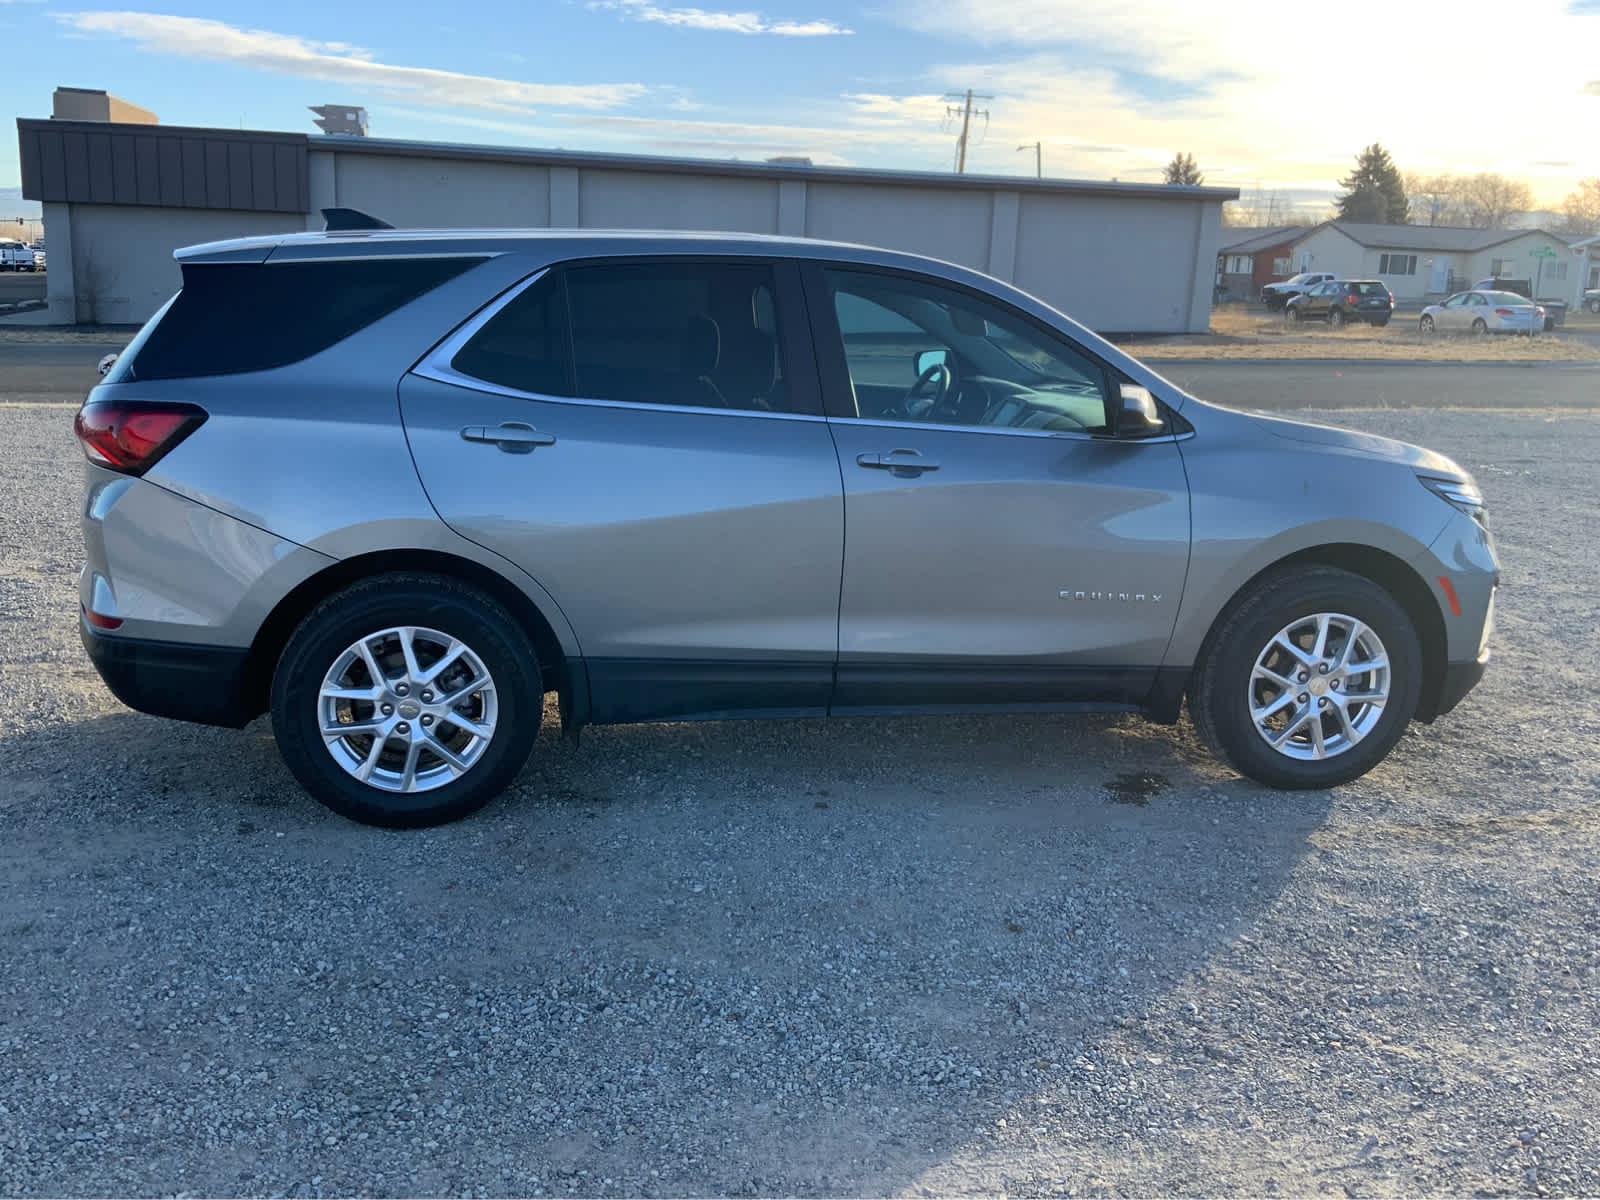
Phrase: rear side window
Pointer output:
(695, 334)
(234, 317)
(1369, 289)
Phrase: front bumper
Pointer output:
(1459, 679)
(205, 684)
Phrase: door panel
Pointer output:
(694, 550)
(989, 564)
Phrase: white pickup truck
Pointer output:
(1276, 295)
(14, 256)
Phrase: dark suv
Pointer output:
(1341, 300)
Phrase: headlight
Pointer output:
(1460, 494)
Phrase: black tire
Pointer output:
(1292, 313)
(1220, 688)
(1425, 325)
(1594, 306)
(1336, 318)
(1480, 327)
(385, 602)
(1379, 322)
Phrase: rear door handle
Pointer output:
(905, 463)
(513, 437)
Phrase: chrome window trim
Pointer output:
(437, 367)
(1001, 430)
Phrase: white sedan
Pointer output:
(1483, 312)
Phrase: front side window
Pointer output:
(918, 351)
(691, 334)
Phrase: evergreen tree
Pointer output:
(1184, 171)
(1373, 191)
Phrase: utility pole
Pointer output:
(965, 112)
(1038, 157)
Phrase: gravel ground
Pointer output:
(1026, 955)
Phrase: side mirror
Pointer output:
(929, 359)
(1138, 415)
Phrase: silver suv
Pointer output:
(394, 487)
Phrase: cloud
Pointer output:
(1214, 80)
(719, 22)
(339, 62)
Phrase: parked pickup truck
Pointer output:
(14, 256)
(1276, 295)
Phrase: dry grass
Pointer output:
(1245, 334)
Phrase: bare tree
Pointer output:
(1433, 198)
(1580, 211)
(1488, 200)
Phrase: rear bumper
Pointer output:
(205, 684)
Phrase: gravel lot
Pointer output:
(926, 956)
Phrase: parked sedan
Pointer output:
(1341, 300)
(1483, 312)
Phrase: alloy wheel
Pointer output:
(407, 709)
(1319, 686)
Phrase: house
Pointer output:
(1420, 262)
(1586, 265)
(1251, 258)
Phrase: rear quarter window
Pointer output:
(236, 317)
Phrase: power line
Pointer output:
(966, 113)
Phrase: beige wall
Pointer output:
(1118, 263)
(121, 257)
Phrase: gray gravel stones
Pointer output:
(914, 957)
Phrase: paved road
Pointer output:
(1387, 385)
(38, 371)
(21, 285)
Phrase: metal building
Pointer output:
(119, 198)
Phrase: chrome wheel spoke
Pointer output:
(1282, 642)
(1273, 678)
(1283, 701)
(1321, 647)
(468, 725)
(408, 775)
(444, 752)
(336, 730)
(364, 771)
(408, 651)
(371, 694)
(1288, 731)
(365, 651)
(476, 684)
(452, 655)
(1319, 748)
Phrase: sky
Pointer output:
(1268, 97)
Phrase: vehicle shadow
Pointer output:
(787, 957)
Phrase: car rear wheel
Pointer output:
(1310, 680)
(1292, 314)
(1594, 306)
(406, 700)
(1379, 322)
(1480, 327)
(1336, 317)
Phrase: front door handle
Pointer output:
(513, 437)
(907, 464)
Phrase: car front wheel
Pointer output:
(406, 700)
(1310, 680)
(1336, 317)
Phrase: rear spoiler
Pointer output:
(342, 219)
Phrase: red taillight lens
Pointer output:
(1505, 312)
(131, 436)
(1352, 299)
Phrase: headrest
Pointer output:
(701, 345)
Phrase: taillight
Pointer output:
(1352, 299)
(1505, 312)
(131, 435)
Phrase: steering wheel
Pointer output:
(926, 394)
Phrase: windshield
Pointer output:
(1303, 277)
